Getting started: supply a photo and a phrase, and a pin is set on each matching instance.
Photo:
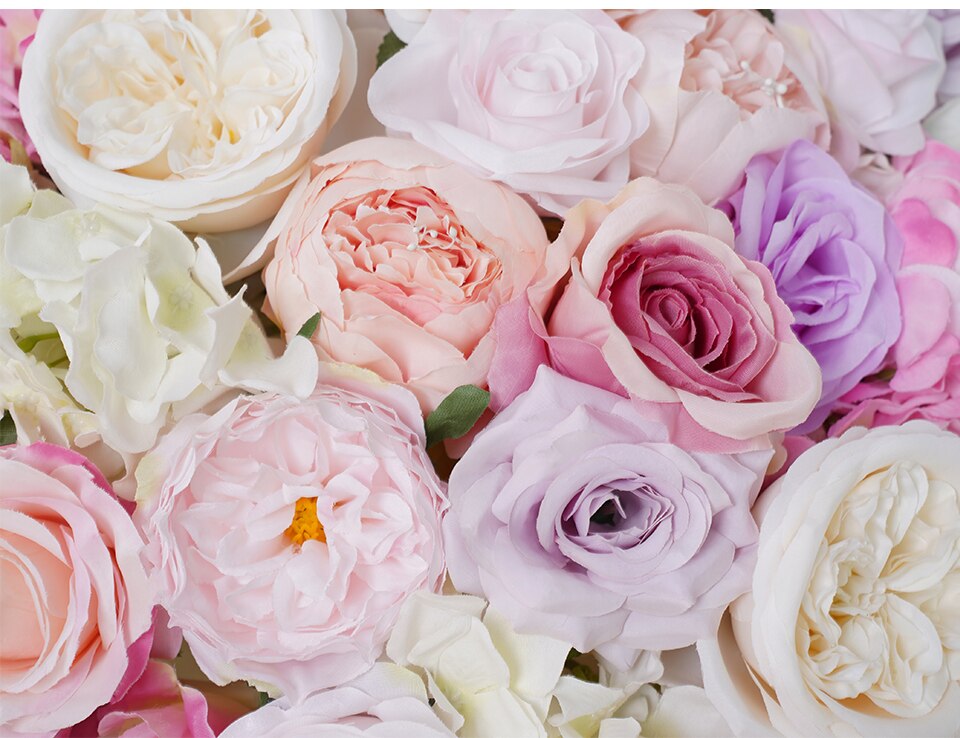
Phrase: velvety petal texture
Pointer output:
(851, 624)
(205, 118)
(283, 535)
(833, 252)
(547, 102)
(407, 257)
(576, 516)
(76, 604)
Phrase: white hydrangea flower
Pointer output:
(146, 326)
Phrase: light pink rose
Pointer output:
(17, 28)
(407, 257)
(950, 25)
(283, 535)
(75, 605)
(657, 304)
(926, 381)
(157, 705)
(546, 101)
(740, 92)
(878, 70)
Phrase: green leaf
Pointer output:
(457, 414)
(264, 698)
(768, 14)
(8, 430)
(307, 329)
(390, 45)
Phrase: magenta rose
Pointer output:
(284, 535)
(577, 516)
(926, 359)
(157, 705)
(645, 296)
(75, 605)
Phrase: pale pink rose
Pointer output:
(157, 705)
(17, 28)
(407, 257)
(545, 101)
(741, 93)
(926, 357)
(75, 605)
(878, 70)
(645, 296)
(284, 535)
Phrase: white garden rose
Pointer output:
(130, 314)
(204, 118)
(486, 679)
(406, 24)
(852, 627)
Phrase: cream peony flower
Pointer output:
(129, 313)
(486, 679)
(203, 118)
(853, 624)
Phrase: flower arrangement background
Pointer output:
(493, 374)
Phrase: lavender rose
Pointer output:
(576, 517)
(833, 250)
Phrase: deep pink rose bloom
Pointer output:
(75, 605)
(926, 358)
(407, 257)
(645, 296)
(157, 705)
(17, 28)
(284, 535)
(577, 516)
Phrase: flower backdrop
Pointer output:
(493, 374)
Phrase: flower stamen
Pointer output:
(305, 525)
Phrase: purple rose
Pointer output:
(832, 249)
(576, 517)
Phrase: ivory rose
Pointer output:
(205, 118)
(130, 312)
(386, 702)
(545, 101)
(878, 70)
(75, 605)
(852, 623)
(407, 258)
(406, 24)
(645, 296)
(284, 535)
(575, 514)
(740, 91)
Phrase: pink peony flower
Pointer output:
(658, 305)
(16, 32)
(284, 535)
(926, 383)
(740, 92)
(407, 257)
(75, 605)
(157, 705)
(878, 70)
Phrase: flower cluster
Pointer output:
(479, 373)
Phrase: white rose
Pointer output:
(852, 627)
(406, 24)
(487, 679)
(202, 118)
(943, 123)
(135, 314)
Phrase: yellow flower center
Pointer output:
(305, 525)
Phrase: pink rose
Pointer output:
(283, 535)
(75, 605)
(157, 705)
(658, 305)
(17, 28)
(926, 383)
(878, 70)
(741, 93)
(407, 257)
(545, 101)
